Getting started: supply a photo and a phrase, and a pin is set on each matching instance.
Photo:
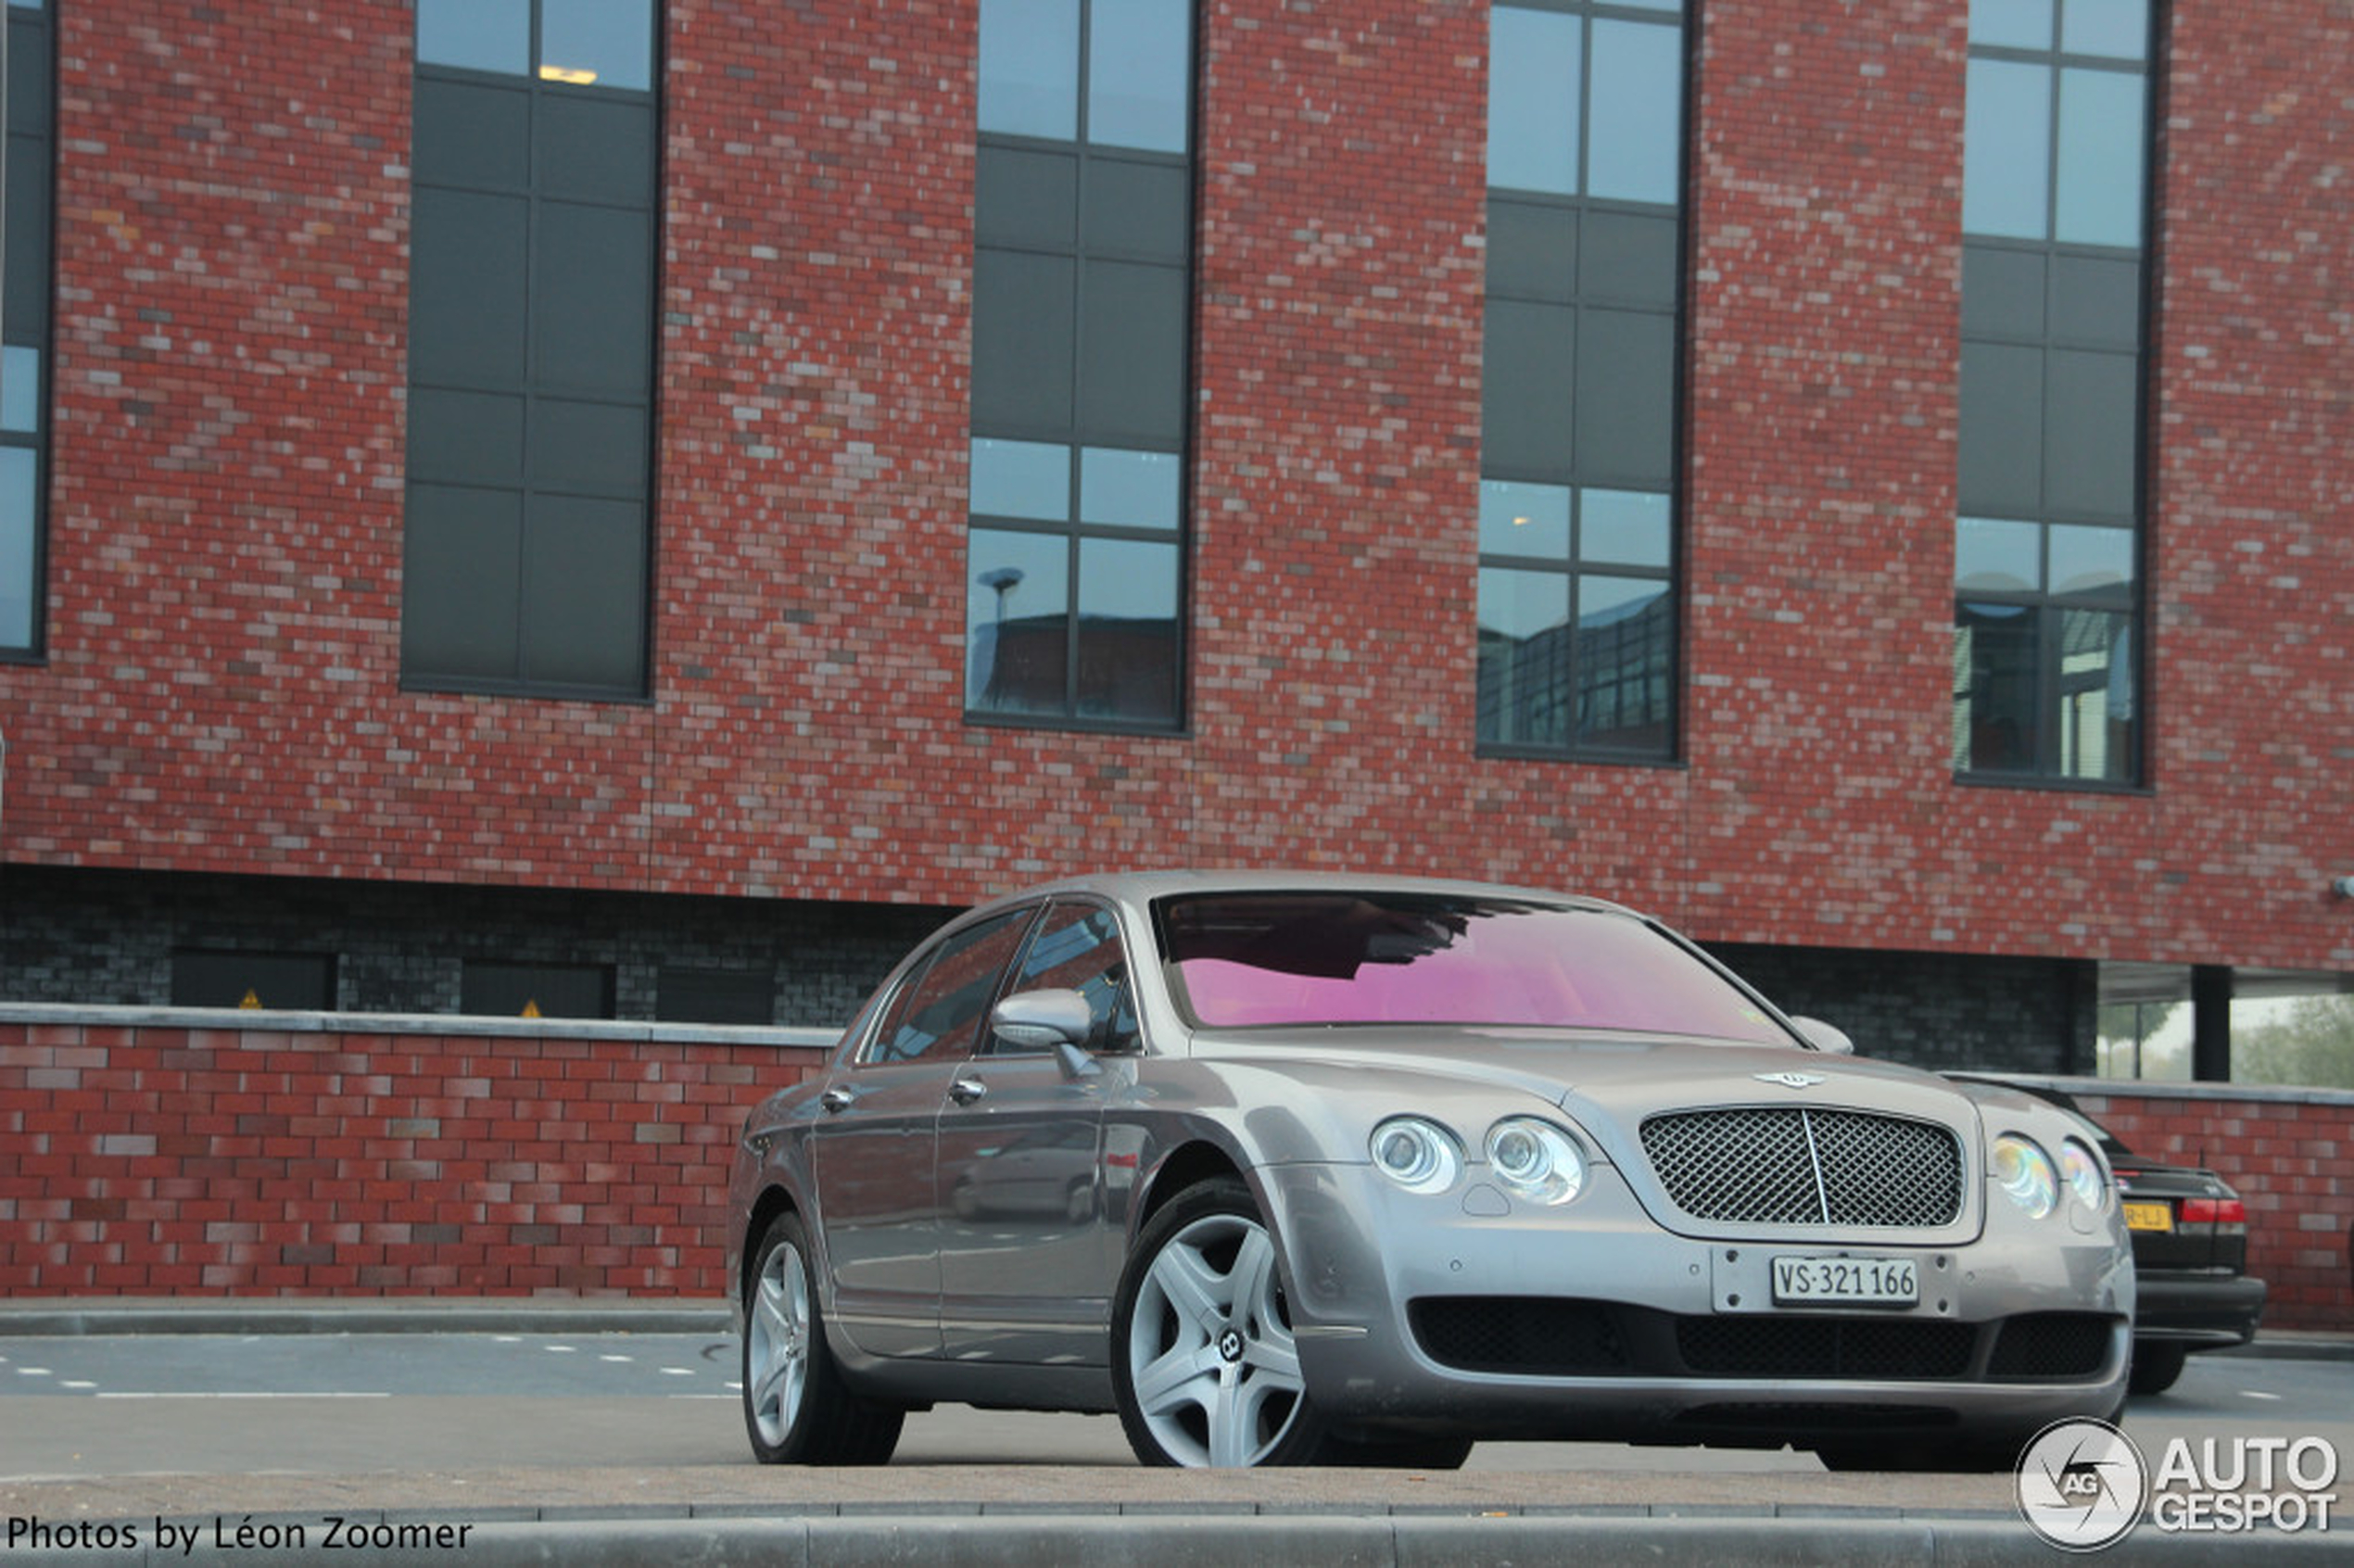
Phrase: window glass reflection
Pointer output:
(2011, 24)
(1128, 630)
(608, 43)
(1622, 657)
(1994, 686)
(1131, 489)
(2089, 560)
(1623, 527)
(1021, 479)
(2100, 157)
(1994, 556)
(1029, 68)
(1016, 622)
(2007, 149)
(19, 473)
(476, 35)
(2120, 29)
(1139, 52)
(1534, 69)
(1524, 519)
(1636, 146)
(1523, 697)
(21, 389)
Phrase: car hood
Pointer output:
(1603, 1080)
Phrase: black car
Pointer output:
(2190, 1254)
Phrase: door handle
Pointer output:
(965, 1091)
(836, 1101)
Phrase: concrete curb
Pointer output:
(238, 1315)
(1102, 1539)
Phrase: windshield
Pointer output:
(1256, 960)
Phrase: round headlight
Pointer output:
(1536, 1160)
(2081, 1168)
(2025, 1174)
(1419, 1156)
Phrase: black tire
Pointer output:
(1217, 1382)
(797, 1409)
(2156, 1364)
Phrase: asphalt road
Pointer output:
(101, 1406)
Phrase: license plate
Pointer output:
(2149, 1217)
(1846, 1282)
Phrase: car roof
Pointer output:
(1141, 887)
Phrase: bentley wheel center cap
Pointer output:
(1230, 1345)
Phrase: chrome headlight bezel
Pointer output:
(1535, 1160)
(2086, 1175)
(2025, 1173)
(1416, 1153)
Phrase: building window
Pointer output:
(281, 982)
(2047, 590)
(1577, 603)
(535, 990)
(24, 332)
(1083, 220)
(686, 994)
(531, 337)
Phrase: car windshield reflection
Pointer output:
(1257, 961)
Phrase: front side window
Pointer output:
(1082, 280)
(1078, 948)
(2047, 586)
(531, 347)
(24, 332)
(1577, 596)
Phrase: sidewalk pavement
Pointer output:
(1021, 1517)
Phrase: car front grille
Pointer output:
(1867, 1347)
(1792, 1165)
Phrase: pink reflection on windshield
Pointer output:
(1527, 968)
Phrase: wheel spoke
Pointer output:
(1234, 1425)
(1185, 1375)
(1196, 1292)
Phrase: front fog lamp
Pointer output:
(2081, 1168)
(2025, 1174)
(1536, 1160)
(1419, 1156)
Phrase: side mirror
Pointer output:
(1828, 1038)
(1039, 1021)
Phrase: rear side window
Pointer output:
(937, 1014)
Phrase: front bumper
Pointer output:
(1474, 1313)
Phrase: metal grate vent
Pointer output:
(1794, 1165)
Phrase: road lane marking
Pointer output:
(233, 1394)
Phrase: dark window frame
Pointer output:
(26, 25)
(539, 395)
(2049, 762)
(1081, 433)
(1579, 476)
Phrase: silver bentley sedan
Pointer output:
(1322, 1170)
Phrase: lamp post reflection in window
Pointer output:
(1002, 580)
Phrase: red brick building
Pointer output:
(703, 720)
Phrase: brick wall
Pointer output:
(222, 692)
(184, 1154)
(2290, 1154)
(154, 1157)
